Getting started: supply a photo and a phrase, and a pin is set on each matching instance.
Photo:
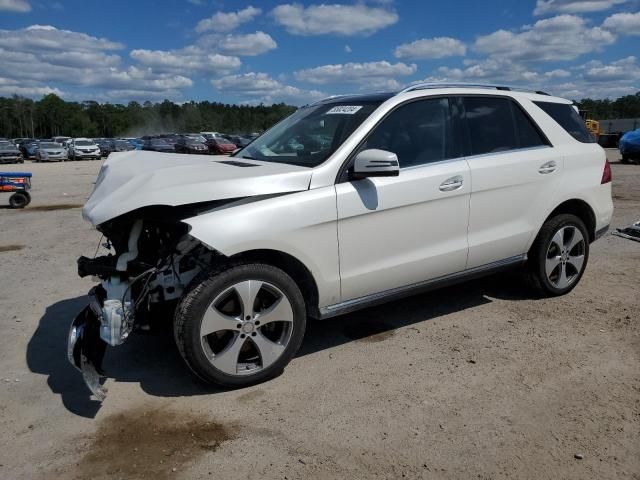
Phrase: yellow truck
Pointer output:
(592, 125)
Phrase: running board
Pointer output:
(415, 288)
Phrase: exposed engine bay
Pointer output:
(152, 259)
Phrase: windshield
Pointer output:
(159, 142)
(50, 145)
(7, 146)
(121, 143)
(84, 143)
(309, 136)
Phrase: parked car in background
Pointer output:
(122, 146)
(629, 146)
(158, 145)
(25, 145)
(239, 140)
(9, 153)
(220, 146)
(51, 152)
(106, 146)
(170, 138)
(61, 140)
(83, 148)
(209, 135)
(187, 144)
(136, 142)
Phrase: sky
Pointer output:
(252, 52)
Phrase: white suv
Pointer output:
(349, 202)
(82, 148)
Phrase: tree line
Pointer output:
(52, 116)
(606, 109)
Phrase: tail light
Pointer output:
(606, 174)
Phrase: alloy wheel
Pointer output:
(247, 327)
(565, 257)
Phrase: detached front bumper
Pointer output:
(85, 348)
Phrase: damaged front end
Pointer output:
(151, 261)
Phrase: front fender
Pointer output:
(301, 224)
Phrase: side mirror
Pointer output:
(375, 163)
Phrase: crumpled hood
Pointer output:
(131, 180)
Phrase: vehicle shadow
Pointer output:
(153, 361)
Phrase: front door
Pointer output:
(398, 231)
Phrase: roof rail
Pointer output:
(424, 86)
(318, 102)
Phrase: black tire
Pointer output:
(624, 159)
(19, 200)
(198, 297)
(536, 274)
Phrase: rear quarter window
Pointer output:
(567, 117)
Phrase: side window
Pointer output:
(528, 133)
(491, 127)
(418, 133)
(565, 115)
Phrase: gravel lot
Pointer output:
(478, 381)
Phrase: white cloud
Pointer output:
(9, 87)
(544, 7)
(42, 38)
(35, 57)
(438, 47)
(625, 69)
(188, 59)
(21, 6)
(250, 44)
(363, 73)
(594, 79)
(492, 70)
(623, 23)
(261, 88)
(227, 21)
(337, 19)
(557, 73)
(347, 49)
(564, 37)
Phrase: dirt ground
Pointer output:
(478, 381)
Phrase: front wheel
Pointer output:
(559, 255)
(240, 326)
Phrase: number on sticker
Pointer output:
(345, 109)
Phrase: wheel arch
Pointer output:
(293, 267)
(580, 209)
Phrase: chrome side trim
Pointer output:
(407, 290)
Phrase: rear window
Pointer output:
(567, 117)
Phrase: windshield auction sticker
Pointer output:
(345, 109)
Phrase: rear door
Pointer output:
(397, 231)
(514, 173)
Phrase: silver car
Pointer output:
(51, 152)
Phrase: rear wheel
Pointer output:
(559, 255)
(624, 159)
(240, 326)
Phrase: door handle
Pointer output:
(450, 184)
(548, 167)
